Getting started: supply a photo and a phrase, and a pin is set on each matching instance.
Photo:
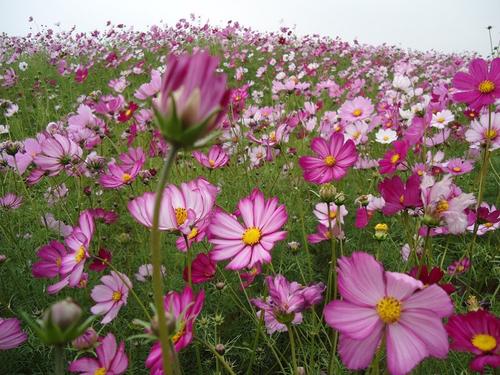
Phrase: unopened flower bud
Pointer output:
(219, 348)
(63, 314)
(294, 245)
(339, 199)
(85, 341)
(220, 285)
(327, 193)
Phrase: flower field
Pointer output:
(196, 199)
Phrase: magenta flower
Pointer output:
(81, 74)
(49, 265)
(334, 158)
(324, 234)
(335, 214)
(479, 87)
(432, 277)
(216, 158)
(193, 98)
(111, 359)
(11, 201)
(203, 269)
(286, 302)
(184, 307)
(183, 209)
(151, 88)
(110, 296)
(58, 153)
(252, 242)
(78, 244)
(11, 335)
(459, 166)
(124, 173)
(99, 265)
(399, 196)
(488, 219)
(480, 132)
(378, 303)
(394, 157)
(476, 332)
(459, 266)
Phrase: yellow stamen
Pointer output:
(179, 333)
(401, 198)
(456, 169)
(486, 87)
(333, 214)
(385, 137)
(80, 254)
(251, 236)
(329, 161)
(100, 371)
(442, 206)
(440, 120)
(484, 342)
(126, 177)
(193, 233)
(117, 295)
(128, 112)
(488, 225)
(357, 112)
(491, 134)
(389, 309)
(181, 215)
(58, 262)
(211, 162)
(395, 158)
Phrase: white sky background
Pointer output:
(443, 25)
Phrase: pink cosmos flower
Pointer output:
(110, 296)
(444, 204)
(203, 269)
(399, 196)
(324, 234)
(334, 158)
(59, 227)
(11, 201)
(198, 92)
(58, 153)
(377, 304)
(99, 265)
(459, 166)
(183, 209)
(145, 272)
(488, 219)
(336, 214)
(81, 74)
(100, 214)
(216, 158)
(78, 244)
(49, 265)
(124, 173)
(111, 359)
(11, 335)
(394, 157)
(477, 332)
(479, 87)
(459, 266)
(151, 88)
(478, 133)
(184, 307)
(252, 242)
(359, 108)
(286, 302)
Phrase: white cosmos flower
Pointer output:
(23, 65)
(386, 136)
(442, 118)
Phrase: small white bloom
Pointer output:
(442, 118)
(4, 129)
(400, 82)
(23, 65)
(386, 136)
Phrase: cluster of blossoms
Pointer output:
(396, 144)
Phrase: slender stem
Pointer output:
(59, 352)
(424, 254)
(292, 347)
(218, 356)
(156, 261)
(188, 255)
(255, 341)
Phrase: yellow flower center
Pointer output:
(128, 112)
(488, 225)
(80, 254)
(211, 162)
(385, 137)
(420, 172)
(442, 206)
(485, 343)
(486, 87)
(58, 262)
(389, 309)
(126, 177)
(440, 120)
(491, 134)
(179, 333)
(100, 371)
(251, 236)
(329, 161)
(117, 295)
(357, 112)
(460, 268)
(356, 134)
(181, 215)
(193, 233)
(382, 227)
(332, 214)
(272, 136)
(457, 169)
(395, 158)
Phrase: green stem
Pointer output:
(59, 352)
(189, 260)
(156, 261)
(218, 356)
(292, 347)
(255, 341)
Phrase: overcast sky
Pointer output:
(443, 25)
